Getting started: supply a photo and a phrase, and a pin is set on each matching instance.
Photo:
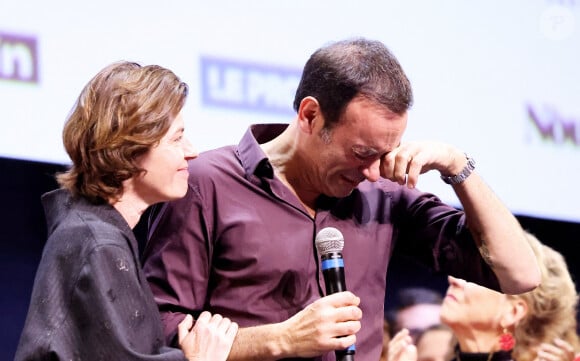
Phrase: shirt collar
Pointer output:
(251, 155)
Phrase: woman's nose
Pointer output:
(188, 151)
(456, 281)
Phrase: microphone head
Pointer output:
(329, 240)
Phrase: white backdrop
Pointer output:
(500, 79)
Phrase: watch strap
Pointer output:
(461, 176)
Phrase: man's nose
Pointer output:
(372, 170)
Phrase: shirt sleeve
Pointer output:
(436, 235)
(177, 261)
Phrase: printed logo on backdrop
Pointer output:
(18, 57)
(558, 20)
(239, 85)
(551, 126)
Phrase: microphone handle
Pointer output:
(333, 271)
(334, 280)
(342, 356)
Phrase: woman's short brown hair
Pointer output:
(120, 114)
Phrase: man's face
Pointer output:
(418, 317)
(351, 152)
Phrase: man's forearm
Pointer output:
(263, 342)
(329, 323)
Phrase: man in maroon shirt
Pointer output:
(241, 243)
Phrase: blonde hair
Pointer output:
(552, 306)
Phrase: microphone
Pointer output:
(329, 243)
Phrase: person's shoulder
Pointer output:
(215, 164)
(383, 186)
(214, 159)
(401, 195)
(74, 240)
(387, 186)
(84, 229)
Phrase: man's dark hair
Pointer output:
(343, 70)
(417, 295)
(411, 296)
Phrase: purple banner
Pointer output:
(553, 127)
(18, 58)
(234, 84)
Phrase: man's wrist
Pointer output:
(275, 341)
(461, 176)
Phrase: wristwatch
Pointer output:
(465, 172)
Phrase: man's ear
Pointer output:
(308, 114)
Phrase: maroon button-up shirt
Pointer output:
(241, 244)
